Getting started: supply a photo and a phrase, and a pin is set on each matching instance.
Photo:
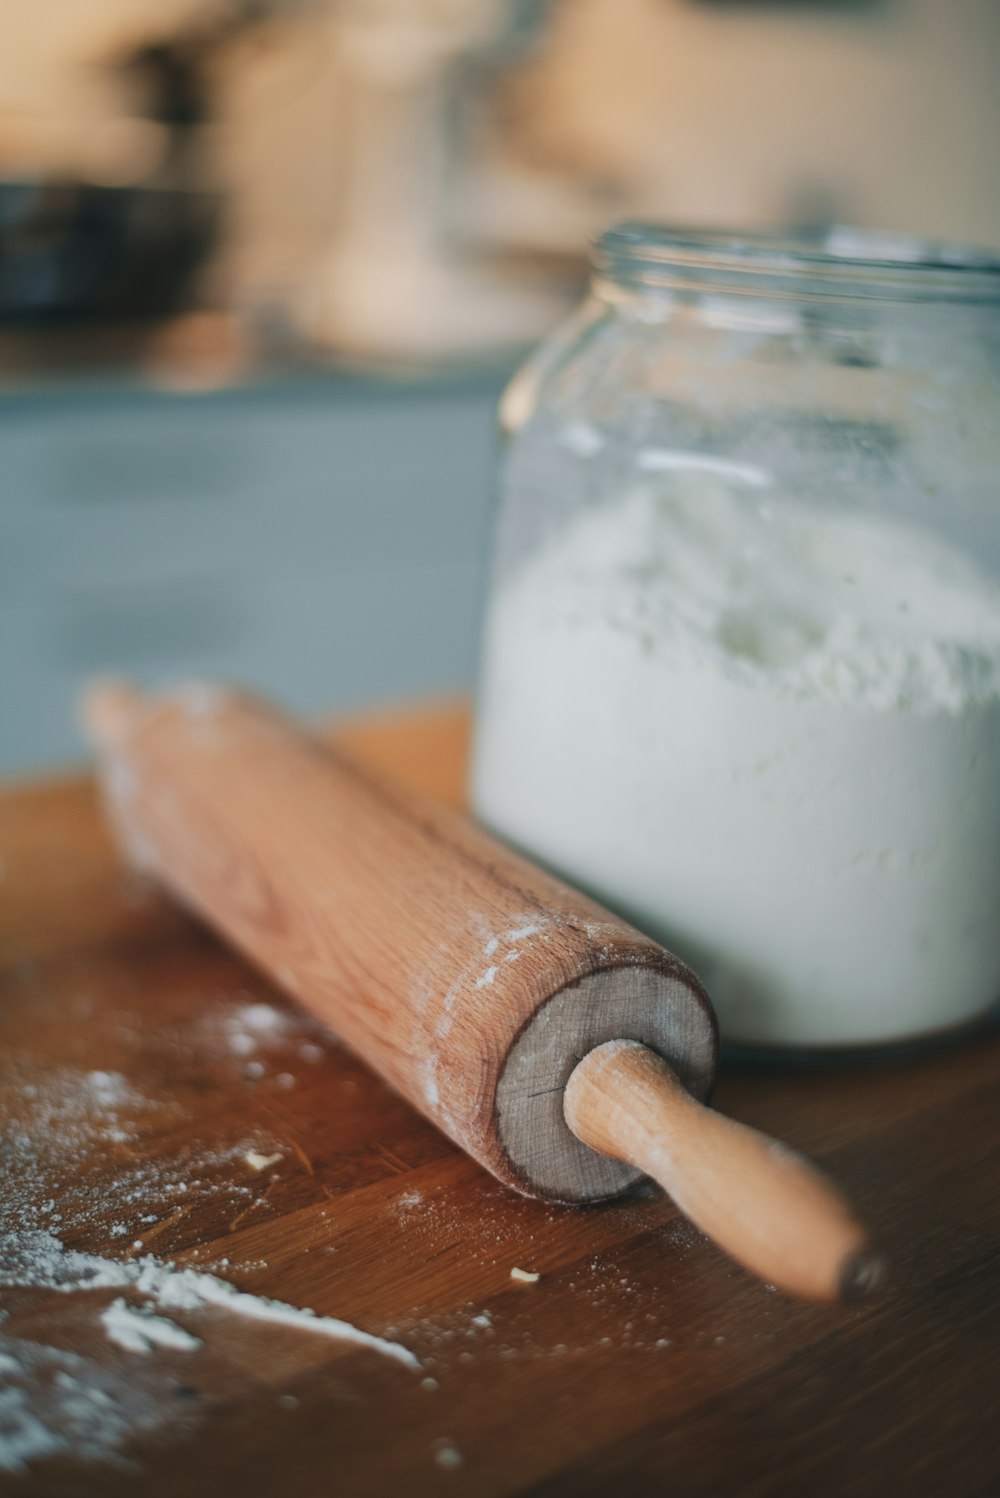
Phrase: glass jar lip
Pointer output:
(838, 261)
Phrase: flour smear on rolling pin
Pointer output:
(782, 760)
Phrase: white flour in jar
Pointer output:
(770, 736)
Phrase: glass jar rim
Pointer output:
(839, 261)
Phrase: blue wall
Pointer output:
(322, 540)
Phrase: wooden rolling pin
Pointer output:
(565, 1051)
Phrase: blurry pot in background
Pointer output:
(76, 251)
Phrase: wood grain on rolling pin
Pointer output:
(470, 979)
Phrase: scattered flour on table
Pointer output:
(76, 1142)
(603, 1306)
(148, 1323)
(40, 1261)
(53, 1401)
(251, 1027)
(139, 1329)
(261, 1019)
(63, 1120)
(56, 1403)
(257, 1161)
(261, 1036)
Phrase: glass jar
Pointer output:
(741, 670)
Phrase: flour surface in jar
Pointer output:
(770, 735)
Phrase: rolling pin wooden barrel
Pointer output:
(565, 1051)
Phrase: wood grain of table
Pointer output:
(641, 1360)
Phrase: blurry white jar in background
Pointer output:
(741, 671)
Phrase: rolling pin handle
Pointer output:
(759, 1201)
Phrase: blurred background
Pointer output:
(266, 264)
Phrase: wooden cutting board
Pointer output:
(145, 1072)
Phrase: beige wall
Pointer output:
(53, 89)
(730, 113)
(696, 112)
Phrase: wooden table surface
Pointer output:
(641, 1361)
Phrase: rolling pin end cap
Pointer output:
(107, 709)
(865, 1273)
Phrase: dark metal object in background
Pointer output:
(72, 251)
(75, 251)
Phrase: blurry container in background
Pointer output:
(124, 235)
(78, 252)
(741, 675)
(399, 178)
(396, 286)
